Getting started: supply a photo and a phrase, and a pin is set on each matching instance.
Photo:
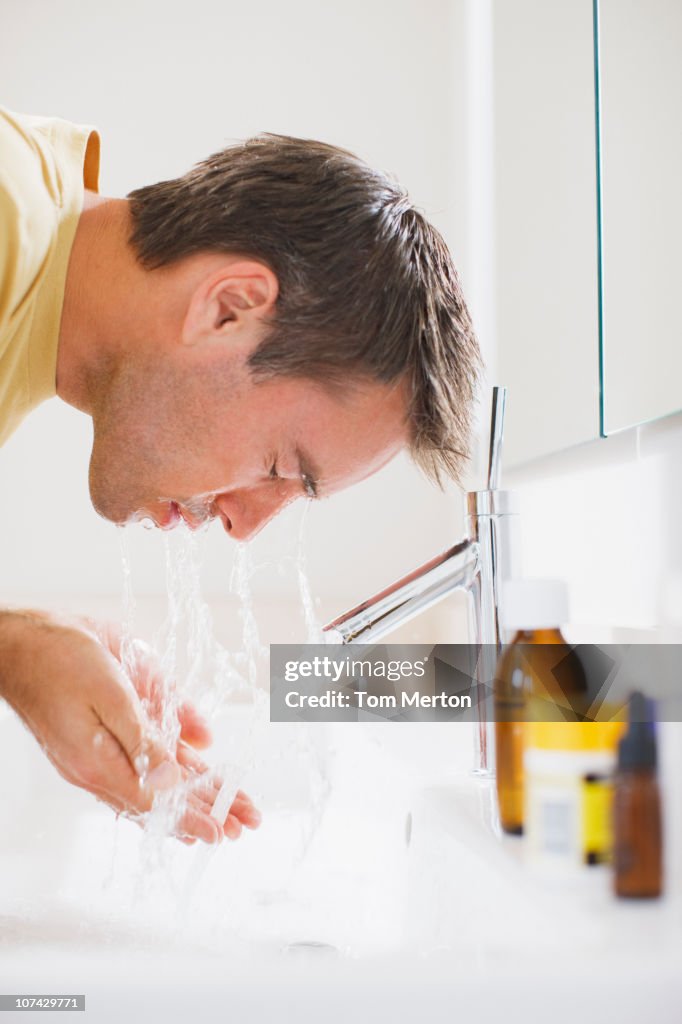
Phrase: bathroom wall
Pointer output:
(603, 517)
(168, 83)
(165, 88)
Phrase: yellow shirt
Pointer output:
(45, 163)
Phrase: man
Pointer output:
(277, 323)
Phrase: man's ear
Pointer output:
(230, 299)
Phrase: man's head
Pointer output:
(314, 325)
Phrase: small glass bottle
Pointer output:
(534, 609)
(637, 809)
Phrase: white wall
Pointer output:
(167, 83)
(603, 517)
(407, 87)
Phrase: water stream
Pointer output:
(193, 666)
(313, 627)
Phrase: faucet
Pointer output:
(476, 565)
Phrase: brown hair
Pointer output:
(367, 286)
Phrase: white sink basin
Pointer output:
(472, 891)
(335, 920)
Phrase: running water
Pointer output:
(314, 634)
(189, 650)
(194, 667)
(127, 632)
(246, 753)
(320, 786)
(240, 586)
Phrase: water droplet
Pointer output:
(141, 764)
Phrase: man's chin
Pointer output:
(113, 510)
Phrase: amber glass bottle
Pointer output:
(536, 673)
(637, 809)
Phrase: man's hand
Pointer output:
(65, 680)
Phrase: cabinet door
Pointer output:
(546, 282)
(640, 65)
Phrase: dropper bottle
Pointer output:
(637, 808)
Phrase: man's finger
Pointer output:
(232, 827)
(246, 813)
(195, 822)
(188, 758)
(120, 711)
(193, 727)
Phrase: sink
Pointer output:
(473, 892)
(392, 899)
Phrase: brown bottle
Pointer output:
(526, 674)
(637, 809)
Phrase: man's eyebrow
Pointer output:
(308, 473)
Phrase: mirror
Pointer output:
(545, 287)
(639, 47)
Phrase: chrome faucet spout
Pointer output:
(409, 596)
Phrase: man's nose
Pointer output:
(245, 513)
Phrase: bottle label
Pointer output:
(568, 819)
(597, 811)
(553, 820)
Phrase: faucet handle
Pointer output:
(496, 435)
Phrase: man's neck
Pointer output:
(97, 277)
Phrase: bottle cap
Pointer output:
(534, 604)
(637, 749)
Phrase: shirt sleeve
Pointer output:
(28, 217)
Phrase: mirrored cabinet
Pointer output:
(588, 213)
(639, 48)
